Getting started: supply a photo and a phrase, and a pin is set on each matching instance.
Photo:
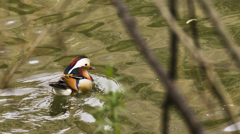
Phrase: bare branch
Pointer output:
(191, 11)
(197, 55)
(231, 45)
(172, 71)
(177, 99)
(25, 56)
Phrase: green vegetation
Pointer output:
(107, 116)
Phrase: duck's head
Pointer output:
(78, 64)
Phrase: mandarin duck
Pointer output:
(75, 78)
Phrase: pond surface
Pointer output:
(92, 28)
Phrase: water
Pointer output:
(92, 28)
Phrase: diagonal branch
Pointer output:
(196, 53)
(24, 57)
(230, 44)
(177, 99)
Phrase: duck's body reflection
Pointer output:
(59, 104)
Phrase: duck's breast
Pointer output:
(85, 85)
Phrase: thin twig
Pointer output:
(177, 99)
(172, 71)
(173, 40)
(197, 55)
(193, 24)
(24, 57)
(165, 115)
(230, 44)
(194, 29)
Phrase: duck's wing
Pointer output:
(59, 84)
(68, 81)
(78, 77)
(71, 81)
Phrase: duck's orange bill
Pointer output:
(91, 68)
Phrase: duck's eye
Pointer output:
(85, 64)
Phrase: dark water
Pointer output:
(92, 28)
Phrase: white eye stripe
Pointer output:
(80, 63)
